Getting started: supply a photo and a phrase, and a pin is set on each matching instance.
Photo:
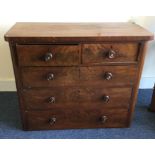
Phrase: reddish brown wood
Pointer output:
(76, 32)
(74, 87)
(121, 75)
(18, 83)
(98, 53)
(75, 97)
(76, 118)
(38, 76)
(34, 55)
(141, 58)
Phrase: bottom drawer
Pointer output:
(76, 118)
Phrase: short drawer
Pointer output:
(77, 97)
(108, 75)
(76, 118)
(49, 76)
(48, 55)
(110, 52)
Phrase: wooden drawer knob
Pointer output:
(51, 100)
(48, 56)
(108, 76)
(103, 119)
(106, 98)
(50, 76)
(52, 120)
(111, 54)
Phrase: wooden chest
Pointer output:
(77, 75)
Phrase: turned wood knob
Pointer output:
(50, 76)
(106, 98)
(52, 120)
(104, 119)
(48, 56)
(108, 76)
(51, 99)
(111, 54)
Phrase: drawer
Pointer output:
(76, 118)
(83, 97)
(110, 52)
(108, 75)
(48, 55)
(83, 76)
(49, 76)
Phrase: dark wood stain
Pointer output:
(34, 55)
(75, 97)
(97, 53)
(76, 118)
(77, 75)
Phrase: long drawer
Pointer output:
(65, 76)
(76, 118)
(75, 97)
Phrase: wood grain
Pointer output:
(141, 58)
(76, 32)
(121, 75)
(34, 55)
(38, 77)
(75, 97)
(16, 70)
(97, 53)
(76, 118)
(83, 76)
(77, 73)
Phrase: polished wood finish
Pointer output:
(35, 55)
(113, 52)
(121, 75)
(40, 77)
(76, 97)
(141, 58)
(76, 32)
(76, 118)
(81, 75)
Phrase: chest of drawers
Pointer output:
(77, 75)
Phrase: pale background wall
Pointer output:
(22, 11)
(148, 74)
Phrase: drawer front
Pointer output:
(48, 55)
(49, 76)
(114, 52)
(75, 118)
(77, 97)
(108, 75)
(84, 76)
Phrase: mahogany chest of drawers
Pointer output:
(77, 75)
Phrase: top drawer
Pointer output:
(109, 52)
(48, 55)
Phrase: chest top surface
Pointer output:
(53, 32)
